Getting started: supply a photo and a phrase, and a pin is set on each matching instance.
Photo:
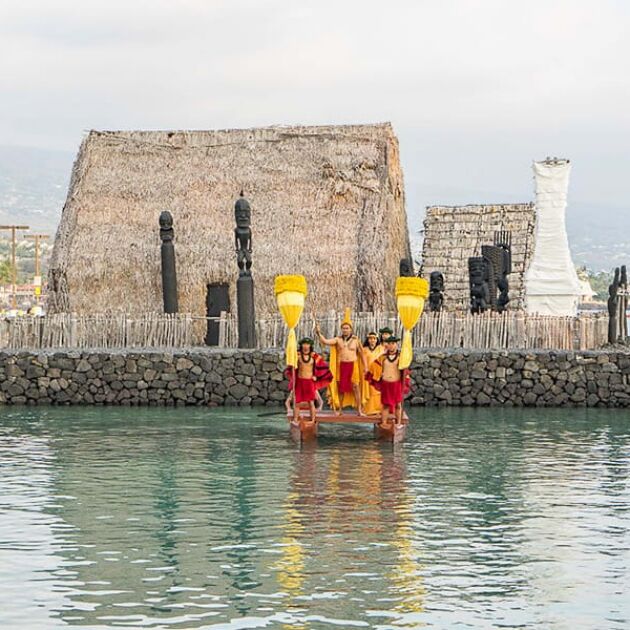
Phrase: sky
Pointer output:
(475, 89)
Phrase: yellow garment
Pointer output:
(373, 404)
(358, 377)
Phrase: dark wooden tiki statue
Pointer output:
(613, 308)
(167, 251)
(503, 240)
(405, 267)
(436, 291)
(479, 291)
(245, 282)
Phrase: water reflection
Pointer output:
(182, 519)
(347, 512)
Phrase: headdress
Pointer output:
(307, 340)
(387, 329)
(347, 318)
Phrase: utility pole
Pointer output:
(14, 229)
(38, 238)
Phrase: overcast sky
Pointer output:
(475, 89)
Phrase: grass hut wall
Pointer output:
(452, 234)
(327, 202)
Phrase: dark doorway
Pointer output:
(217, 301)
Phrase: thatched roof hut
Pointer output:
(452, 234)
(327, 202)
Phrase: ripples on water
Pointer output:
(196, 519)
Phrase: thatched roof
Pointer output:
(327, 202)
(452, 234)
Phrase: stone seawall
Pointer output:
(241, 377)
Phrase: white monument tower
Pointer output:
(552, 286)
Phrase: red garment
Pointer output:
(304, 390)
(391, 394)
(346, 368)
(321, 372)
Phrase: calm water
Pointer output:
(196, 519)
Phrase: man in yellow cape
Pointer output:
(347, 364)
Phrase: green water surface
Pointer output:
(191, 518)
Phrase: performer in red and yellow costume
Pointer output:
(347, 364)
(313, 373)
(392, 382)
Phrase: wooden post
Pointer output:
(37, 238)
(14, 229)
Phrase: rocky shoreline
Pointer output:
(210, 377)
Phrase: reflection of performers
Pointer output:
(312, 374)
(390, 380)
(372, 350)
(349, 387)
(328, 487)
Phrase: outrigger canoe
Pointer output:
(305, 429)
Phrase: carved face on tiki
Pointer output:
(404, 268)
(436, 281)
(166, 220)
(477, 270)
(166, 227)
(242, 213)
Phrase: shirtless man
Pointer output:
(391, 381)
(349, 352)
(312, 374)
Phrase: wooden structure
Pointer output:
(489, 331)
(305, 429)
(453, 234)
(308, 187)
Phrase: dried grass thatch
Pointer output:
(452, 234)
(327, 202)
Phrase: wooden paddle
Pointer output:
(268, 414)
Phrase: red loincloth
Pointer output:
(391, 394)
(305, 389)
(346, 368)
(321, 372)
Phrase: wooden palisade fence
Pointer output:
(435, 330)
(64, 330)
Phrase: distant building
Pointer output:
(452, 234)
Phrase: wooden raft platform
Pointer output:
(304, 429)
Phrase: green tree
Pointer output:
(599, 283)
(5, 272)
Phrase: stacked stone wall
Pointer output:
(242, 377)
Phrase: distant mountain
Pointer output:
(33, 186)
(599, 235)
(34, 183)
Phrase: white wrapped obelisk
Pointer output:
(552, 286)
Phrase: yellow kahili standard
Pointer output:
(290, 295)
(411, 293)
